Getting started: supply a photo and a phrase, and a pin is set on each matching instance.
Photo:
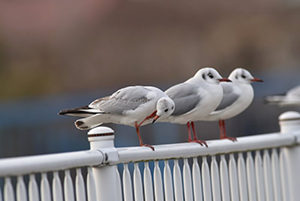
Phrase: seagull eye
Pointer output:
(210, 75)
(166, 110)
(243, 76)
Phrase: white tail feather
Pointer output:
(89, 122)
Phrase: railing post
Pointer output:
(290, 124)
(102, 139)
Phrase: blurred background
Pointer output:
(62, 54)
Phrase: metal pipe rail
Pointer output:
(50, 162)
(55, 162)
(215, 147)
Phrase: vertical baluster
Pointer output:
(68, 186)
(197, 185)
(148, 183)
(284, 175)
(225, 188)
(45, 188)
(215, 179)
(119, 186)
(91, 185)
(57, 189)
(206, 180)
(158, 187)
(33, 189)
(268, 175)
(251, 177)
(187, 180)
(21, 189)
(168, 186)
(127, 184)
(233, 178)
(9, 194)
(0, 194)
(242, 177)
(259, 177)
(276, 175)
(79, 185)
(177, 182)
(137, 184)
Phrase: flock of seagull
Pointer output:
(291, 98)
(206, 96)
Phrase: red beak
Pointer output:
(155, 118)
(224, 80)
(256, 80)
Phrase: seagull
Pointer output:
(132, 106)
(237, 96)
(291, 98)
(194, 99)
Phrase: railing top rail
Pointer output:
(50, 162)
(104, 152)
(187, 150)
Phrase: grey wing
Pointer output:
(128, 98)
(229, 96)
(185, 97)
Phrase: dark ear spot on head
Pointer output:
(236, 77)
(203, 76)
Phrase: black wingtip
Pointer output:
(62, 112)
(72, 110)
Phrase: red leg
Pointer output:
(223, 132)
(221, 128)
(195, 139)
(195, 136)
(137, 128)
(189, 131)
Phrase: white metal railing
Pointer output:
(256, 168)
(32, 165)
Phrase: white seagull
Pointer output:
(291, 98)
(195, 98)
(237, 96)
(131, 106)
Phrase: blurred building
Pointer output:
(47, 45)
(58, 54)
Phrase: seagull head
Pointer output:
(164, 107)
(241, 75)
(210, 75)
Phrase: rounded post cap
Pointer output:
(289, 116)
(100, 131)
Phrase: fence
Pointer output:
(256, 168)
